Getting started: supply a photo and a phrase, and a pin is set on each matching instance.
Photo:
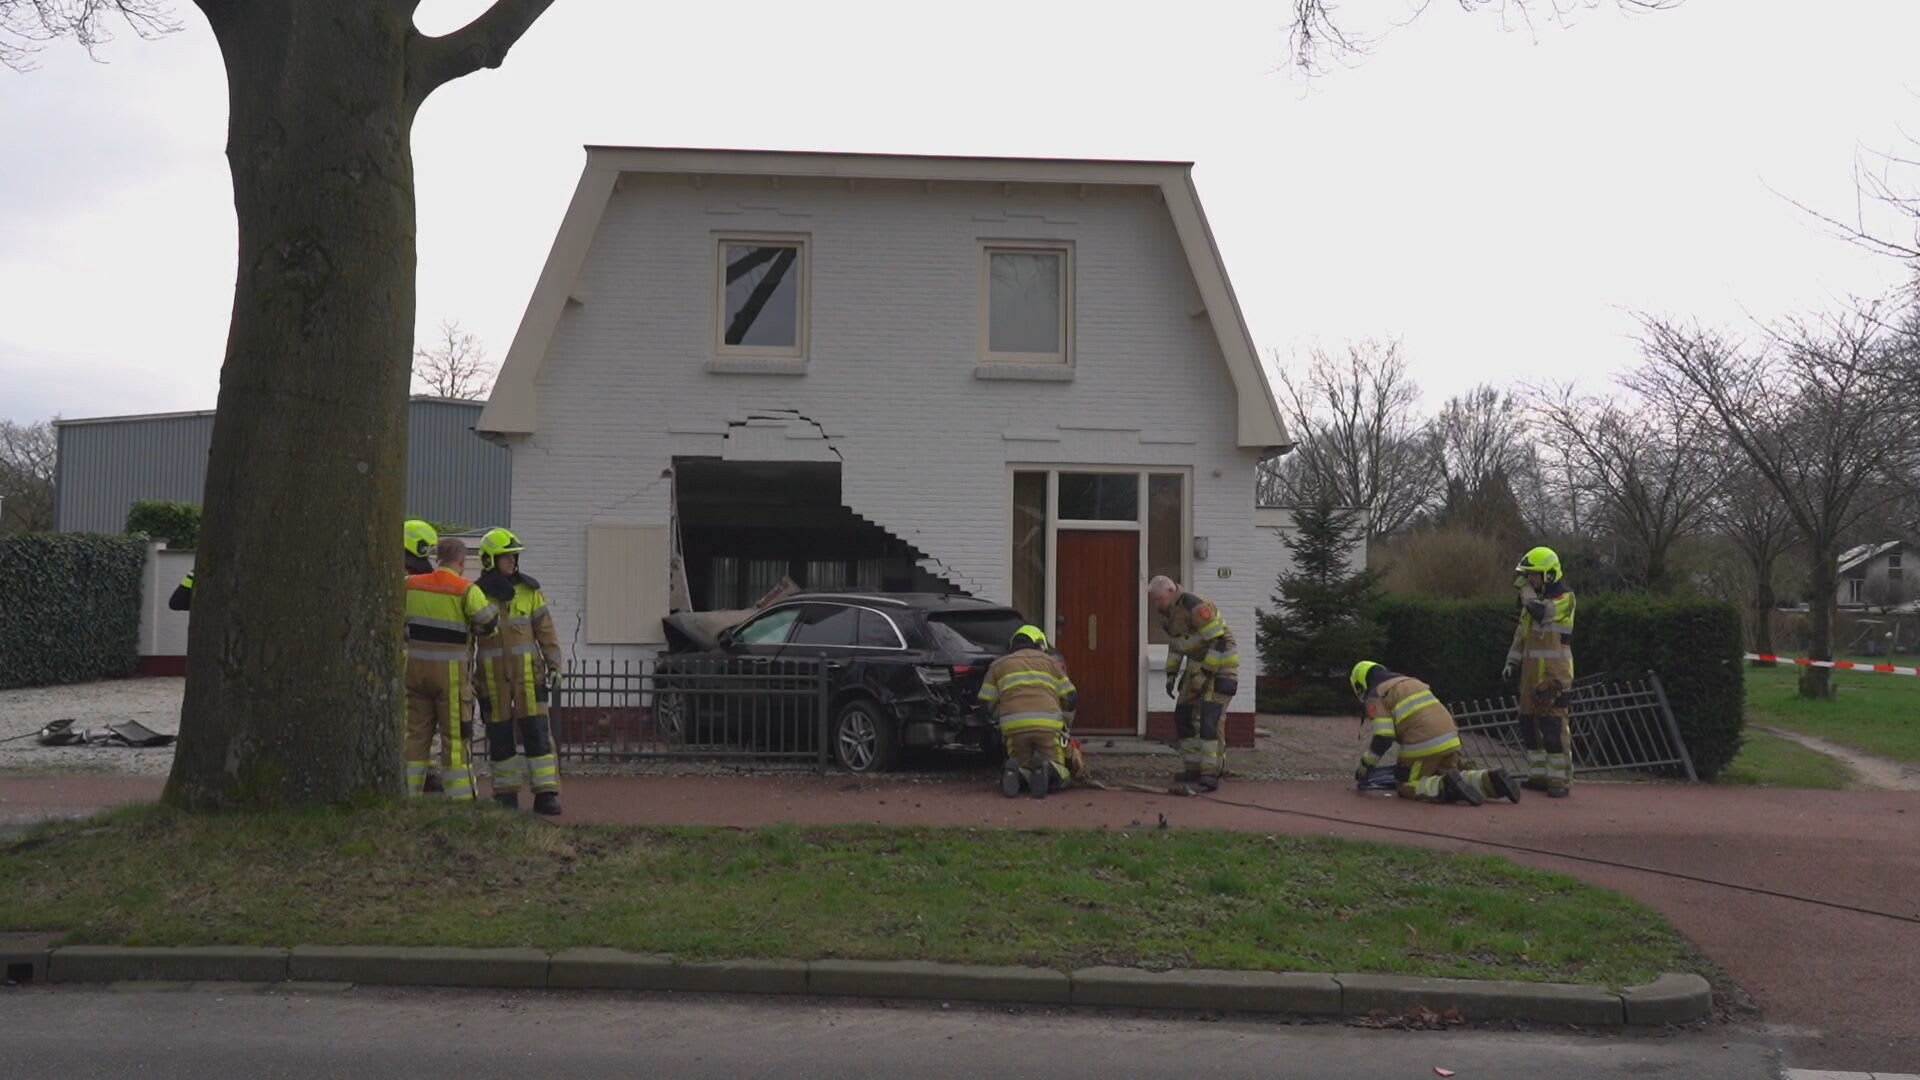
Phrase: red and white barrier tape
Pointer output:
(1843, 665)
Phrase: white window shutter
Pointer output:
(629, 569)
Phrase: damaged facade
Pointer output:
(1024, 380)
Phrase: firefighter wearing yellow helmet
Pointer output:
(517, 669)
(1542, 653)
(422, 538)
(1030, 696)
(1402, 710)
(444, 614)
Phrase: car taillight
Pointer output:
(963, 671)
(934, 676)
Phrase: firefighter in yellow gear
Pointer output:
(182, 598)
(517, 669)
(422, 538)
(1542, 652)
(1431, 767)
(1031, 697)
(444, 613)
(1199, 642)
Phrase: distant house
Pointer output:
(1874, 576)
(106, 464)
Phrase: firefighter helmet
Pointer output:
(1028, 637)
(421, 537)
(1362, 672)
(496, 543)
(1542, 561)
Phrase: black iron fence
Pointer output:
(608, 711)
(1619, 726)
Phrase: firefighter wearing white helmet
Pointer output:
(517, 669)
(1542, 653)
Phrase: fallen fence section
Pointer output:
(1619, 726)
(738, 708)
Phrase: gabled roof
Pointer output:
(1856, 557)
(511, 409)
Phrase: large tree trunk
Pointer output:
(1764, 601)
(294, 673)
(1822, 587)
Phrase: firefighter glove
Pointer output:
(1360, 773)
(1173, 682)
(1506, 673)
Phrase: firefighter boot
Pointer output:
(508, 799)
(1185, 783)
(1010, 780)
(1503, 786)
(1455, 789)
(1039, 774)
(547, 802)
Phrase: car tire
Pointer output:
(864, 739)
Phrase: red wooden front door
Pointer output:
(1099, 583)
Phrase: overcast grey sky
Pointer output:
(1498, 201)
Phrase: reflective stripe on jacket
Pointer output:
(1027, 689)
(515, 663)
(1404, 709)
(444, 612)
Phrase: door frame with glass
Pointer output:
(1178, 567)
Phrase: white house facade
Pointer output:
(1028, 380)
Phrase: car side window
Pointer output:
(877, 632)
(828, 624)
(768, 629)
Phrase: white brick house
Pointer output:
(1027, 379)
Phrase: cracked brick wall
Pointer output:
(894, 278)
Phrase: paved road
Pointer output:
(368, 1033)
(1837, 983)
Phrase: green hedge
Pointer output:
(1459, 646)
(73, 607)
(177, 523)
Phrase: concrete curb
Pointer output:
(1671, 999)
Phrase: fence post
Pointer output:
(822, 704)
(1673, 726)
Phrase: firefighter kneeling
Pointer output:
(1403, 710)
(516, 667)
(1031, 696)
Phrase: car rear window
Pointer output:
(985, 629)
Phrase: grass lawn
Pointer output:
(1771, 761)
(445, 876)
(1877, 713)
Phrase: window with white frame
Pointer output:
(1894, 572)
(1027, 296)
(761, 309)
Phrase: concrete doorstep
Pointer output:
(1671, 999)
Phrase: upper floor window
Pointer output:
(762, 303)
(1028, 296)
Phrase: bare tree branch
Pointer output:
(1319, 31)
(483, 43)
(454, 366)
(27, 25)
(26, 476)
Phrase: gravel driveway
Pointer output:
(153, 702)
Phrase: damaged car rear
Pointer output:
(901, 670)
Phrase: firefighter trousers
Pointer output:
(1023, 744)
(1200, 721)
(1548, 737)
(507, 738)
(439, 701)
(1423, 782)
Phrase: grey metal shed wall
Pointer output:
(103, 468)
(454, 476)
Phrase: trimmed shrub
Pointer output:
(177, 523)
(74, 607)
(1693, 645)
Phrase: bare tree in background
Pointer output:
(1647, 465)
(454, 366)
(1756, 521)
(1356, 435)
(1319, 30)
(287, 707)
(1827, 414)
(26, 26)
(26, 476)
